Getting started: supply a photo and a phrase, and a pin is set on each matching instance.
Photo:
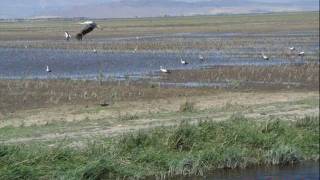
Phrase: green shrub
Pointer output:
(127, 143)
(182, 138)
(101, 169)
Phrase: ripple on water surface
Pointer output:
(31, 63)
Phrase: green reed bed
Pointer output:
(185, 149)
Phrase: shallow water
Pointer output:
(304, 171)
(17, 63)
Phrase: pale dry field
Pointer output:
(80, 123)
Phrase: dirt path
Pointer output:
(78, 122)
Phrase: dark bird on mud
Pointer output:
(90, 26)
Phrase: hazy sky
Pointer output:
(129, 8)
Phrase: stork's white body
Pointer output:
(301, 53)
(265, 57)
(292, 48)
(183, 62)
(135, 49)
(48, 69)
(163, 70)
(201, 57)
(67, 36)
(87, 22)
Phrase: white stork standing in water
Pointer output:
(292, 48)
(48, 70)
(301, 53)
(90, 26)
(135, 49)
(164, 70)
(184, 62)
(201, 58)
(67, 35)
(265, 57)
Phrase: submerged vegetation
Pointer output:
(185, 149)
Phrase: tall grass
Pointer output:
(20, 94)
(184, 149)
(296, 76)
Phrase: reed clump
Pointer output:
(185, 149)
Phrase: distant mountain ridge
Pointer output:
(151, 8)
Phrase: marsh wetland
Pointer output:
(105, 111)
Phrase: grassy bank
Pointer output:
(167, 151)
(253, 34)
(271, 77)
(51, 29)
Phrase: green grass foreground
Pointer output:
(168, 151)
